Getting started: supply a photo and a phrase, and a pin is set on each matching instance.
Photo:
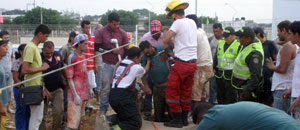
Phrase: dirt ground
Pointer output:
(87, 123)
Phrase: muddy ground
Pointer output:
(87, 123)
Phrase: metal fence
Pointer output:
(26, 31)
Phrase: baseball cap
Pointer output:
(259, 30)
(245, 31)
(155, 25)
(228, 31)
(2, 41)
(79, 38)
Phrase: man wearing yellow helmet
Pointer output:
(180, 80)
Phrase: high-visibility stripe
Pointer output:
(228, 60)
(228, 68)
(172, 101)
(240, 77)
(182, 100)
(241, 67)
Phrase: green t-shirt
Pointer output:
(32, 55)
(247, 116)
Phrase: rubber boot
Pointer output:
(185, 118)
(175, 122)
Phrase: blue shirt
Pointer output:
(247, 116)
(159, 70)
(4, 97)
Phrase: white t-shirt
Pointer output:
(134, 72)
(203, 49)
(296, 77)
(185, 39)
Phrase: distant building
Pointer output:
(237, 24)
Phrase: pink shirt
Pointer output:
(79, 75)
(148, 37)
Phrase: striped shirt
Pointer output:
(90, 52)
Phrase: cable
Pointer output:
(53, 71)
(154, 125)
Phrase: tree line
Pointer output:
(51, 16)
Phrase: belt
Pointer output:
(189, 61)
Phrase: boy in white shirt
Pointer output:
(121, 97)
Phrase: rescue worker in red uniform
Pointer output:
(180, 81)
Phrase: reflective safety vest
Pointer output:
(240, 68)
(226, 59)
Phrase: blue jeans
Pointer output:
(213, 91)
(285, 105)
(104, 81)
(22, 114)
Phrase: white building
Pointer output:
(237, 24)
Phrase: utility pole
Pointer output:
(196, 1)
(33, 3)
(235, 11)
(149, 14)
(41, 15)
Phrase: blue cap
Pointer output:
(79, 38)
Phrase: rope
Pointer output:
(154, 125)
(59, 69)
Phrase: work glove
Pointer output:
(77, 100)
(92, 94)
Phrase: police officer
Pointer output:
(226, 53)
(247, 69)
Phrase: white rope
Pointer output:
(59, 69)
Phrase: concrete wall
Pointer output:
(58, 41)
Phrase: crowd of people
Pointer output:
(228, 81)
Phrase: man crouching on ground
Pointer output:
(121, 97)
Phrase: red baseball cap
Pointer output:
(155, 25)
